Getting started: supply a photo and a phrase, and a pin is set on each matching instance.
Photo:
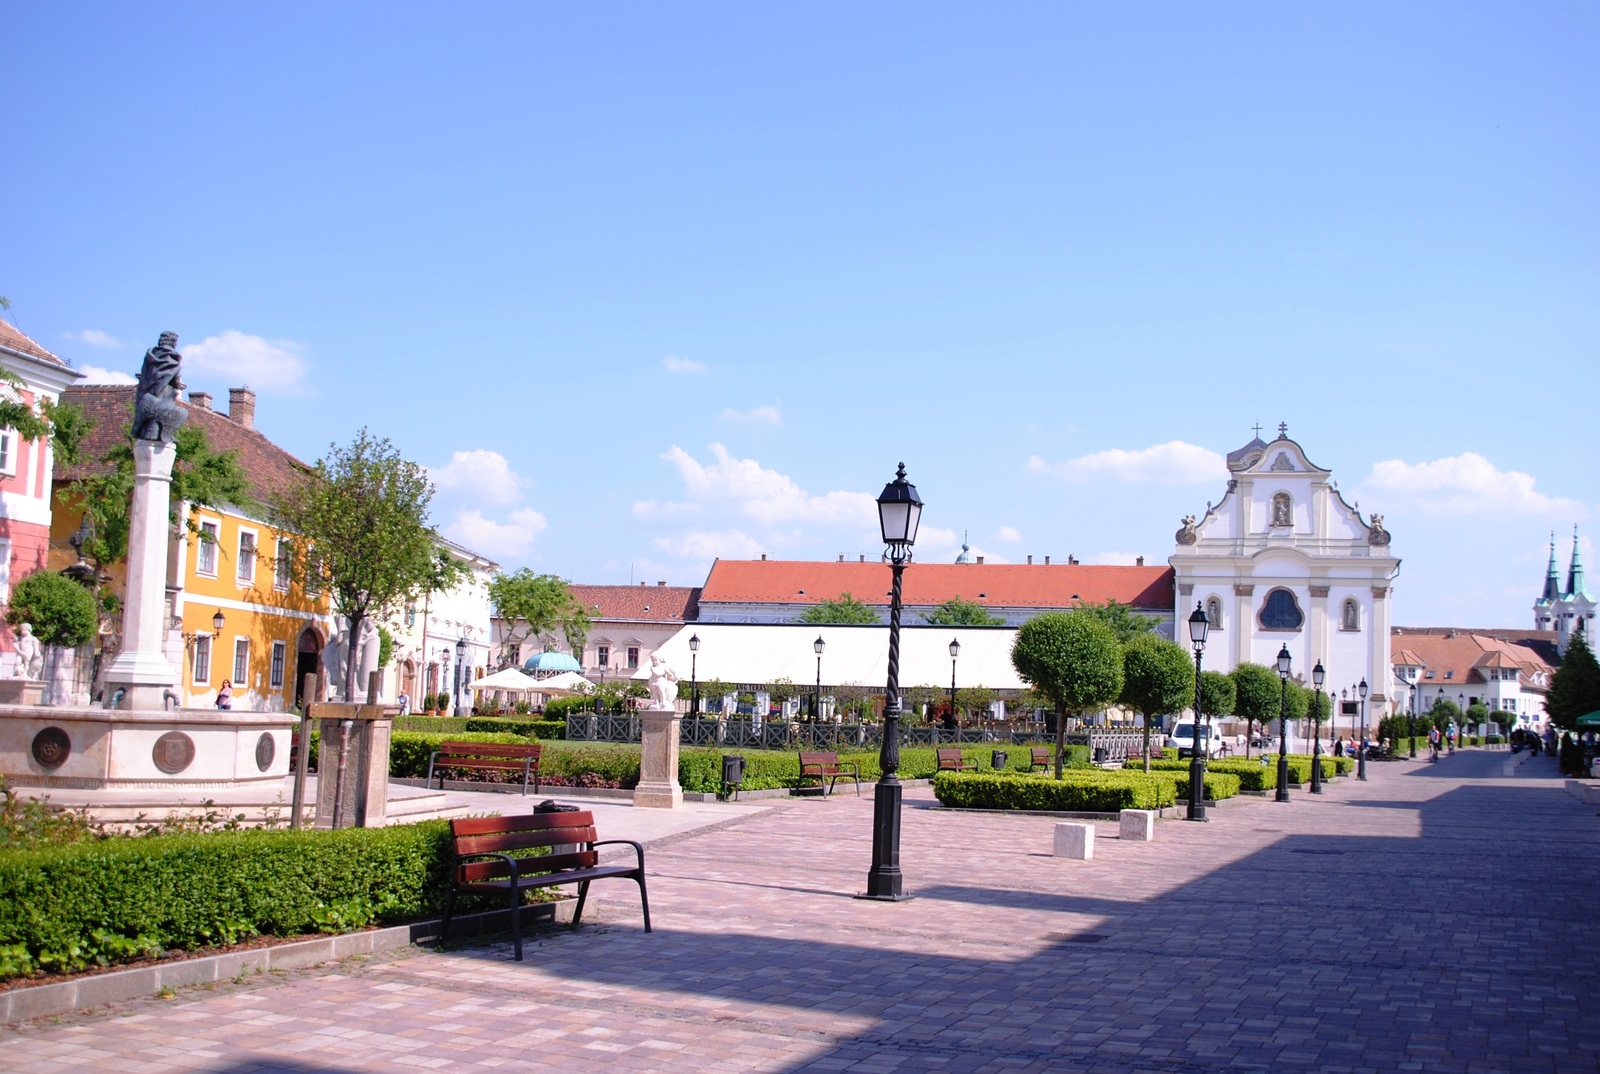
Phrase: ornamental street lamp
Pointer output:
(950, 717)
(1284, 660)
(816, 698)
(899, 511)
(1199, 623)
(461, 659)
(1411, 724)
(1460, 721)
(1361, 758)
(694, 681)
(1317, 676)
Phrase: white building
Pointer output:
(626, 624)
(1283, 560)
(1565, 609)
(1508, 670)
(443, 642)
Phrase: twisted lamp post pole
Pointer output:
(1284, 660)
(1361, 758)
(816, 698)
(899, 511)
(1199, 623)
(955, 651)
(694, 675)
(1317, 675)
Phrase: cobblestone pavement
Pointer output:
(1431, 919)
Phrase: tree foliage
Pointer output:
(1074, 660)
(958, 612)
(1575, 687)
(1119, 617)
(846, 610)
(364, 510)
(1257, 695)
(535, 606)
(1444, 713)
(1217, 693)
(1157, 678)
(62, 611)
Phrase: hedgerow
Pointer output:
(1076, 792)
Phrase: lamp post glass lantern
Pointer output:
(1284, 660)
(1199, 624)
(694, 675)
(1361, 758)
(899, 512)
(1317, 678)
(955, 651)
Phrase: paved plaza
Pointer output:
(1433, 918)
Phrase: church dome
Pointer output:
(966, 555)
(551, 662)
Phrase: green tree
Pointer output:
(1444, 713)
(714, 690)
(535, 606)
(1575, 687)
(974, 700)
(847, 609)
(1157, 678)
(1217, 694)
(62, 611)
(1477, 713)
(958, 612)
(915, 697)
(385, 646)
(364, 509)
(1074, 660)
(1121, 618)
(1257, 697)
(780, 690)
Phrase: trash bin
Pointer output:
(997, 759)
(1099, 754)
(550, 805)
(732, 772)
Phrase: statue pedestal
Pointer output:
(357, 796)
(21, 691)
(658, 761)
(142, 669)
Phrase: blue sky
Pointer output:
(647, 284)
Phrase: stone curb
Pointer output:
(61, 997)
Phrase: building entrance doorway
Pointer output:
(307, 661)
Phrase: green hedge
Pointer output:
(452, 725)
(65, 908)
(1079, 792)
(1252, 774)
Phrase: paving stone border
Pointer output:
(60, 997)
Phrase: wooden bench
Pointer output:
(827, 769)
(486, 861)
(502, 756)
(952, 761)
(1040, 758)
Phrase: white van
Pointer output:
(1182, 736)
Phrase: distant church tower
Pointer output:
(1565, 609)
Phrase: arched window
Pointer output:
(1280, 611)
(1282, 510)
(1350, 616)
(1214, 612)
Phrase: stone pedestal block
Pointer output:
(1075, 841)
(658, 761)
(1137, 825)
(21, 691)
(360, 798)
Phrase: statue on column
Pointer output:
(30, 656)
(663, 683)
(156, 413)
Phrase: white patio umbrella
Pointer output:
(565, 684)
(509, 679)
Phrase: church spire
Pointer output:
(1575, 586)
(1552, 576)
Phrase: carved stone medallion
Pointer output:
(52, 747)
(266, 750)
(173, 752)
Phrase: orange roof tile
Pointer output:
(1457, 655)
(11, 339)
(655, 603)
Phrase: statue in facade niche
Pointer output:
(30, 655)
(1187, 535)
(156, 413)
(663, 683)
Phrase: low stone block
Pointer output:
(1137, 825)
(1075, 841)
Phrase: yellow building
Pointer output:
(228, 563)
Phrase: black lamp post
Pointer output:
(694, 680)
(1461, 721)
(1317, 676)
(1361, 758)
(1411, 725)
(1284, 660)
(1199, 623)
(955, 651)
(899, 511)
(816, 698)
(461, 659)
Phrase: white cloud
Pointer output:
(95, 338)
(728, 544)
(505, 540)
(480, 475)
(766, 495)
(1114, 559)
(1172, 463)
(263, 364)
(93, 374)
(1008, 533)
(656, 509)
(766, 415)
(673, 364)
(1468, 484)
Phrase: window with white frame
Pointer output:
(602, 655)
(241, 662)
(202, 660)
(280, 653)
(282, 566)
(8, 451)
(633, 656)
(206, 562)
(247, 557)
(5, 570)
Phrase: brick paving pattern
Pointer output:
(1432, 919)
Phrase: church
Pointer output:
(1284, 560)
(1567, 609)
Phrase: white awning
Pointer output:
(755, 654)
(507, 679)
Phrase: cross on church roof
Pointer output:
(1283, 430)
(1257, 428)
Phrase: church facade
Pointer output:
(1284, 560)
(1565, 609)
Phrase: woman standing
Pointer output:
(225, 695)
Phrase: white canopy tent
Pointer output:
(757, 654)
(510, 680)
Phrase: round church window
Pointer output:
(1281, 611)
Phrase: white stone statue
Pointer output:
(30, 654)
(333, 657)
(366, 644)
(663, 683)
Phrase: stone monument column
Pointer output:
(658, 761)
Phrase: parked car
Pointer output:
(1182, 736)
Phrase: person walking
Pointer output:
(405, 703)
(225, 695)
(1433, 744)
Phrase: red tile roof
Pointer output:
(110, 407)
(1000, 585)
(1464, 652)
(13, 340)
(653, 603)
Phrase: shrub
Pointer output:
(1077, 792)
(1252, 774)
(527, 728)
(61, 611)
(63, 908)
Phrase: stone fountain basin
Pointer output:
(96, 748)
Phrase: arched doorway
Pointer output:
(408, 679)
(307, 661)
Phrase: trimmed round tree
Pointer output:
(1217, 693)
(62, 611)
(1257, 697)
(1157, 678)
(1074, 661)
